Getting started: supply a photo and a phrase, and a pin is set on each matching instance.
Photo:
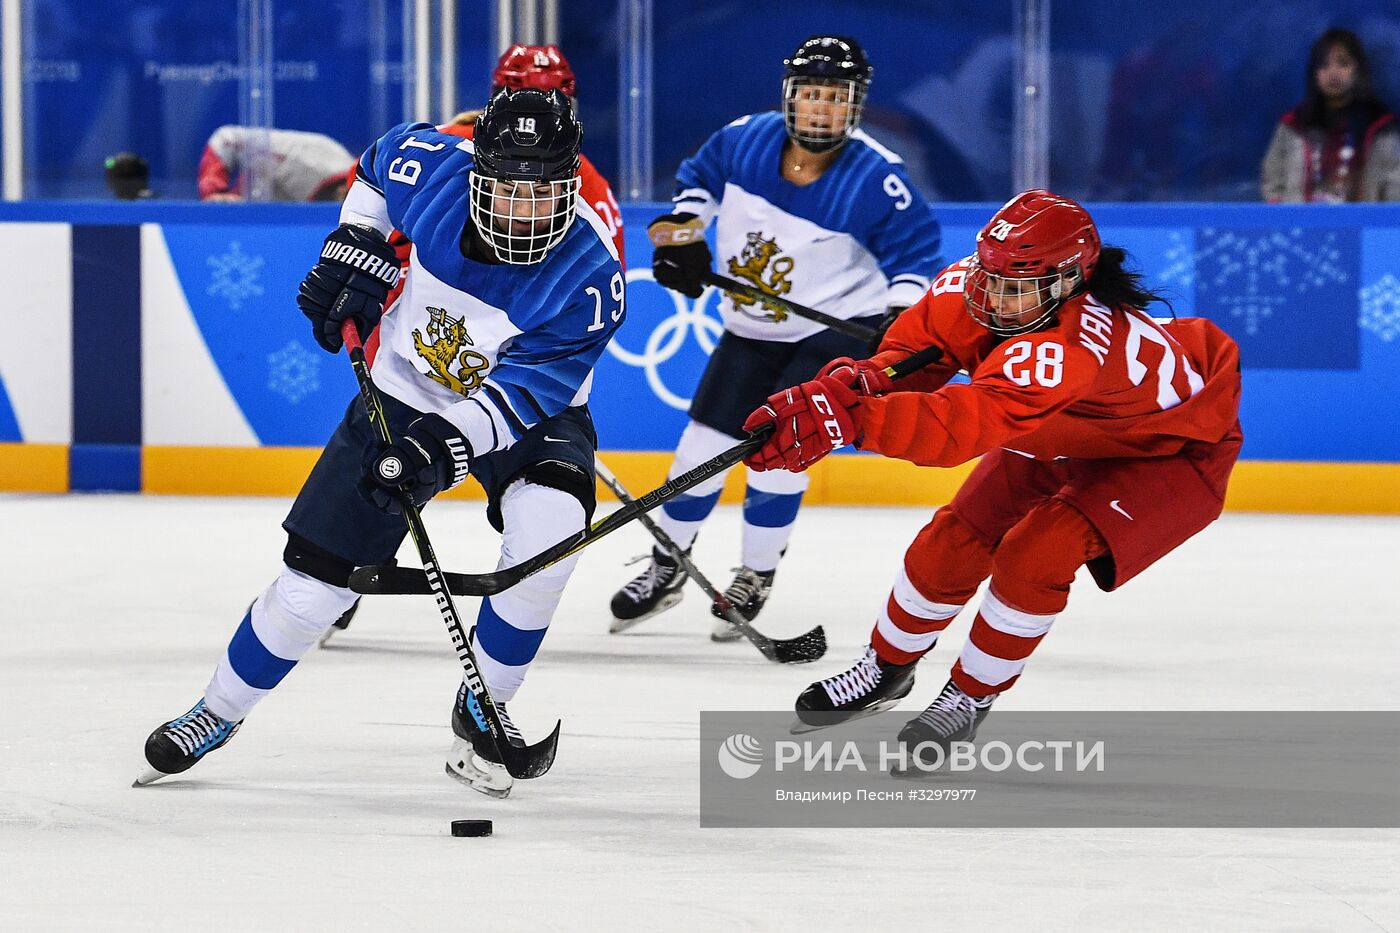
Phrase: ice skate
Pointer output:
(178, 744)
(869, 686)
(653, 591)
(747, 593)
(472, 759)
(953, 716)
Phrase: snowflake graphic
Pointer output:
(1180, 270)
(1254, 274)
(292, 372)
(235, 276)
(1380, 307)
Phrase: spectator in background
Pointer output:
(305, 166)
(128, 175)
(1341, 143)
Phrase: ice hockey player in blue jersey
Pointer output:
(485, 363)
(809, 207)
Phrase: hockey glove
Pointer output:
(352, 280)
(863, 376)
(680, 254)
(892, 312)
(431, 456)
(810, 421)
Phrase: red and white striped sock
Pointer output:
(909, 624)
(1001, 640)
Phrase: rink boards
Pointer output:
(157, 347)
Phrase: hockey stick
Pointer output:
(807, 647)
(849, 328)
(403, 580)
(522, 761)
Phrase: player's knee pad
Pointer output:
(304, 557)
(535, 517)
(302, 606)
(560, 475)
(1037, 559)
(947, 560)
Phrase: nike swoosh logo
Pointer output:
(1119, 509)
(556, 440)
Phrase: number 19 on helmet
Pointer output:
(525, 181)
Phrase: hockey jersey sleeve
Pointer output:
(700, 179)
(544, 370)
(902, 233)
(388, 174)
(1016, 388)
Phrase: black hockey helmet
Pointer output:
(525, 178)
(831, 70)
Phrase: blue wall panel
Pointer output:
(1321, 370)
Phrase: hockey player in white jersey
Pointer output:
(484, 363)
(809, 207)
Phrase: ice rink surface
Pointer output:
(329, 810)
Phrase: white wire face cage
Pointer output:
(522, 220)
(834, 104)
(1009, 305)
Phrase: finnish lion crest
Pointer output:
(762, 256)
(447, 335)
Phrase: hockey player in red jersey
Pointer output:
(1106, 437)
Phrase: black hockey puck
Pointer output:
(471, 827)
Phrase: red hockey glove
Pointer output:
(864, 376)
(810, 421)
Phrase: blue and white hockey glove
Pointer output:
(431, 456)
(680, 254)
(357, 270)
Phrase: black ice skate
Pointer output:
(953, 716)
(654, 590)
(176, 746)
(747, 593)
(868, 687)
(339, 625)
(473, 759)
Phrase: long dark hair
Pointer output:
(1113, 284)
(1312, 112)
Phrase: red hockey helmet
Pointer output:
(1034, 253)
(542, 67)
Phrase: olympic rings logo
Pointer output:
(668, 337)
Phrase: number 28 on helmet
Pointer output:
(1039, 250)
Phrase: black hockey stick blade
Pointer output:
(809, 646)
(530, 761)
(840, 325)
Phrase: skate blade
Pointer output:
(621, 625)
(484, 778)
(800, 727)
(148, 775)
(723, 636)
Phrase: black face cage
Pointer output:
(522, 220)
(849, 96)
